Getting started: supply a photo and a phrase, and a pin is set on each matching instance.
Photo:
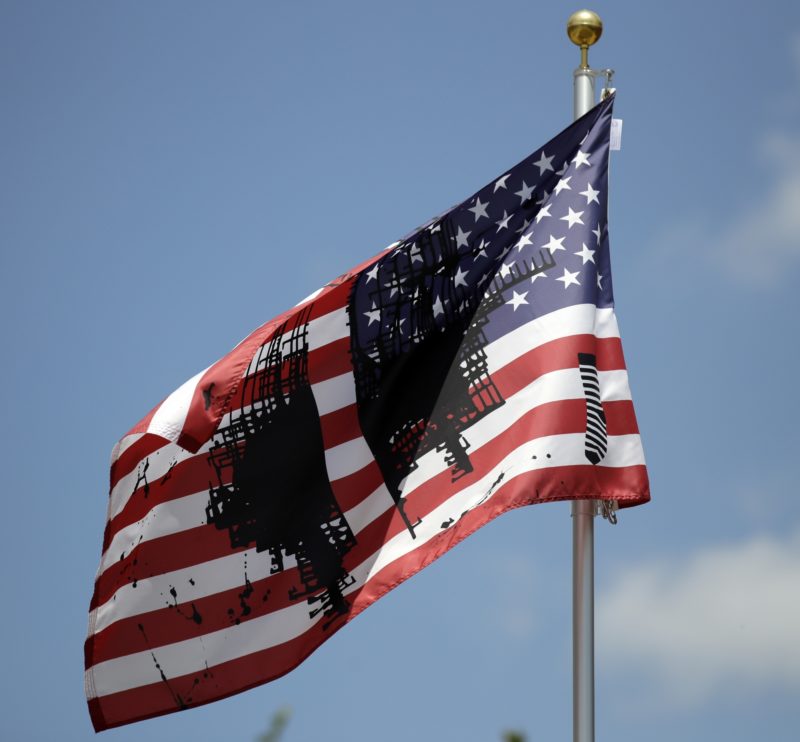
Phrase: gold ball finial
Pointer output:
(584, 28)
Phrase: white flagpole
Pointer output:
(584, 29)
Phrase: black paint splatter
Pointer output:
(207, 395)
(272, 489)
(195, 616)
(141, 476)
(495, 483)
(179, 702)
(168, 473)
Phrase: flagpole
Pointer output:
(583, 28)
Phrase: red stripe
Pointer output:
(205, 542)
(219, 384)
(161, 555)
(129, 459)
(340, 426)
(353, 489)
(343, 425)
(192, 475)
(329, 361)
(185, 478)
(259, 667)
(174, 621)
(557, 355)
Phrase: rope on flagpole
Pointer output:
(584, 28)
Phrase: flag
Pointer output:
(472, 367)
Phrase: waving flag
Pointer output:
(470, 368)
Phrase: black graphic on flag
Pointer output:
(596, 433)
(272, 488)
(421, 371)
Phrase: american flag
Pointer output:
(473, 367)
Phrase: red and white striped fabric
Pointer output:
(180, 617)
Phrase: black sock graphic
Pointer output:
(596, 432)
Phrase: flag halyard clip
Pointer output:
(607, 90)
(608, 509)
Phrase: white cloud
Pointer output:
(763, 240)
(760, 242)
(721, 619)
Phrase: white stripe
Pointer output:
(183, 657)
(335, 393)
(352, 456)
(162, 519)
(321, 331)
(312, 295)
(566, 450)
(552, 387)
(330, 396)
(538, 392)
(339, 391)
(159, 464)
(171, 415)
(210, 578)
(582, 319)
(260, 633)
(328, 328)
(347, 458)
(123, 444)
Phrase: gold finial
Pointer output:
(584, 28)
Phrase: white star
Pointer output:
(543, 212)
(481, 250)
(517, 299)
(435, 227)
(525, 193)
(505, 270)
(599, 281)
(563, 169)
(544, 163)
(569, 278)
(545, 196)
(500, 182)
(461, 237)
(373, 274)
(438, 307)
(525, 225)
(479, 209)
(597, 232)
(586, 254)
(459, 277)
(524, 240)
(581, 159)
(503, 223)
(562, 184)
(572, 217)
(555, 244)
(374, 315)
(538, 275)
(415, 254)
(591, 194)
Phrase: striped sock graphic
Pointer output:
(596, 432)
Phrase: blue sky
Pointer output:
(173, 175)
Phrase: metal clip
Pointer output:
(607, 89)
(608, 509)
